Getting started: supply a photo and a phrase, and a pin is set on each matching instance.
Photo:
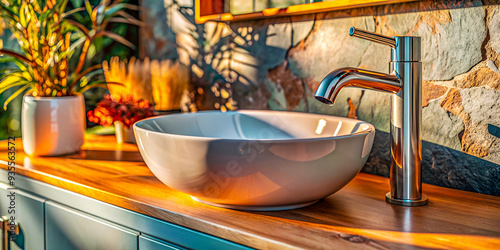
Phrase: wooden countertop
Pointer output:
(356, 216)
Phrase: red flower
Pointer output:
(126, 110)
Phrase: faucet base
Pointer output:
(408, 203)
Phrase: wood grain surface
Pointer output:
(355, 217)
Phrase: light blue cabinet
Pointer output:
(55, 218)
(66, 229)
(151, 243)
(28, 211)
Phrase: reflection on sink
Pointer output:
(255, 160)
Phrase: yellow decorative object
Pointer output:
(134, 76)
(160, 82)
(169, 80)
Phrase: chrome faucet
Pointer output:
(405, 85)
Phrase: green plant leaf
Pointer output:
(86, 72)
(14, 54)
(80, 27)
(10, 79)
(71, 12)
(61, 6)
(98, 84)
(10, 13)
(126, 15)
(126, 21)
(91, 86)
(71, 49)
(17, 61)
(94, 73)
(18, 92)
(77, 3)
(116, 37)
(19, 83)
(22, 15)
(88, 7)
(100, 14)
(6, 71)
(112, 10)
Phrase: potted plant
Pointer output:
(53, 68)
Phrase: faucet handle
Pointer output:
(373, 37)
(404, 48)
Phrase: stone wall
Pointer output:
(277, 63)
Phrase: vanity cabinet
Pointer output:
(28, 213)
(53, 218)
(151, 243)
(68, 228)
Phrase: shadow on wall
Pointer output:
(441, 166)
(215, 52)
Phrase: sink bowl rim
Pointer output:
(371, 128)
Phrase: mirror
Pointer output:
(237, 7)
(234, 10)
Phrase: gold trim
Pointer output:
(299, 9)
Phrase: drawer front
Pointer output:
(27, 211)
(67, 228)
(150, 243)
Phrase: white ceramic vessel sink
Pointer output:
(255, 160)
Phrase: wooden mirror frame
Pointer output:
(212, 10)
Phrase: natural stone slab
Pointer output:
(480, 77)
(450, 168)
(451, 41)
(301, 27)
(375, 108)
(330, 47)
(494, 28)
(285, 81)
(277, 99)
(441, 127)
(492, 66)
(376, 57)
(255, 99)
(268, 43)
(401, 24)
(482, 105)
(318, 56)
(379, 161)
(431, 91)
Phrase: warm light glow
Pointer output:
(414, 239)
(226, 17)
(338, 128)
(270, 11)
(321, 126)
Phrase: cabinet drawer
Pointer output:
(113, 215)
(67, 228)
(28, 212)
(151, 243)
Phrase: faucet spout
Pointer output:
(329, 88)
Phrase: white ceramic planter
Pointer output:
(123, 134)
(53, 125)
